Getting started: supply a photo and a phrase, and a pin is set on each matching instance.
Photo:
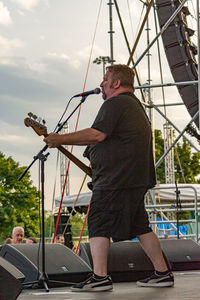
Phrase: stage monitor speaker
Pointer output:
(183, 255)
(11, 280)
(61, 263)
(127, 261)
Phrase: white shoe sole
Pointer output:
(161, 284)
(95, 289)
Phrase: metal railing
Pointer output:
(171, 207)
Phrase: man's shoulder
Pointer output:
(123, 98)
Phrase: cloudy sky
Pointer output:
(45, 47)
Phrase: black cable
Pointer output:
(59, 122)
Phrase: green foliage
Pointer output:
(77, 222)
(49, 224)
(19, 200)
(190, 161)
(159, 150)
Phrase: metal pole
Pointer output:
(170, 104)
(111, 31)
(195, 204)
(161, 32)
(145, 86)
(198, 62)
(175, 141)
(128, 46)
(170, 122)
(198, 56)
(140, 32)
(149, 73)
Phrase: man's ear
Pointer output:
(116, 83)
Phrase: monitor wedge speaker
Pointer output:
(11, 280)
(61, 263)
(183, 255)
(127, 261)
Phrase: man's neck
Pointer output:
(121, 90)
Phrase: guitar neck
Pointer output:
(75, 160)
(40, 129)
(197, 136)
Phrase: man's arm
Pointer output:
(86, 136)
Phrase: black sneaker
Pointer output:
(156, 280)
(93, 285)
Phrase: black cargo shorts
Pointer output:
(118, 214)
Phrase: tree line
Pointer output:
(19, 200)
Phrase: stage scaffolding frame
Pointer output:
(151, 106)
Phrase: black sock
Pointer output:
(162, 273)
(98, 277)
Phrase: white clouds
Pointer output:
(27, 4)
(64, 58)
(14, 139)
(7, 48)
(5, 18)
(37, 67)
(43, 61)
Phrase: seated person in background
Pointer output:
(17, 235)
(74, 249)
(60, 239)
(31, 241)
(8, 241)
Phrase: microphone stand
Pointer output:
(43, 278)
(178, 205)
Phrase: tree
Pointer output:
(159, 150)
(190, 162)
(19, 200)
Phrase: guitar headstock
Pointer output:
(193, 132)
(35, 122)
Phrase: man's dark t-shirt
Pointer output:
(124, 159)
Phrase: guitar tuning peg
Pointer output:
(34, 117)
(39, 119)
(30, 114)
(43, 122)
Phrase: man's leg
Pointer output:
(99, 247)
(162, 277)
(151, 245)
(99, 281)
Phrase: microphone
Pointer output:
(85, 94)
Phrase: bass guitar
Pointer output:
(41, 130)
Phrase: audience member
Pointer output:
(8, 241)
(17, 235)
(60, 239)
(31, 241)
(75, 249)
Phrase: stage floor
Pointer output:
(187, 286)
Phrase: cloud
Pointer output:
(5, 18)
(19, 82)
(7, 47)
(27, 4)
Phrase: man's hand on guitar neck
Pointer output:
(53, 140)
(83, 137)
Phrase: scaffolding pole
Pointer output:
(161, 32)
